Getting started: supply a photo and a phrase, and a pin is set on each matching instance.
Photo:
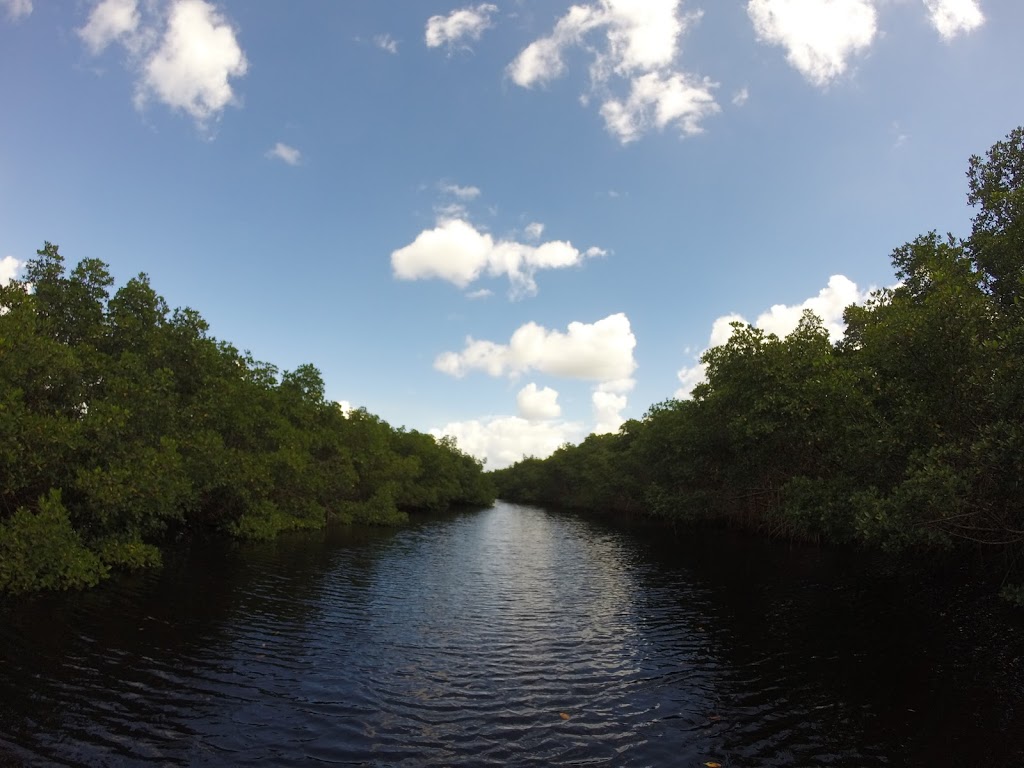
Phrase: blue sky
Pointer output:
(514, 222)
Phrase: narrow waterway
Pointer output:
(511, 636)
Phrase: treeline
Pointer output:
(123, 423)
(906, 434)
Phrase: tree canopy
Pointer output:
(123, 422)
(908, 433)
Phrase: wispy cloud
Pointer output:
(637, 45)
(463, 24)
(462, 193)
(17, 9)
(386, 43)
(288, 154)
(110, 21)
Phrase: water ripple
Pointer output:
(509, 637)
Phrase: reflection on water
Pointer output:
(510, 636)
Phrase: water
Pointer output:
(512, 636)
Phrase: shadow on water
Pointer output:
(512, 635)
(836, 657)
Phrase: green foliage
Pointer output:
(1013, 593)
(379, 509)
(39, 549)
(264, 520)
(145, 425)
(907, 434)
(130, 554)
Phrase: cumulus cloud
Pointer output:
(456, 251)
(782, 319)
(638, 48)
(820, 36)
(9, 268)
(110, 21)
(192, 67)
(608, 409)
(829, 305)
(289, 155)
(600, 352)
(386, 43)
(185, 55)
(741, 97)
(504, 440)
(463, 24)
(538, 404)
(17, 9)
(953, 17)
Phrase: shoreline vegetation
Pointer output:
(907, 435)
(124, 425)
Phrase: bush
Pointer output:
(40, 550)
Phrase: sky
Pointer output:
(517, 222)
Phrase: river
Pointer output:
(512, 636)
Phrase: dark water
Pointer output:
(467, 639)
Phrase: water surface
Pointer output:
(511, 636)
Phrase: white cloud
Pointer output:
(538, 404)
(617, 385)
(456, 251)
(288, 154)
(184, 54)
(541, 61)
(819, 36)
(953, 17)
(689, 377)
(111, 20)
(193, 65)
(657, 100)
(483, 293)
(640, 46)
(346, 407)
(386, 43)
(450, 212)
(608, 409)
(782, 319)
(9, 268)
(533, 230)
(465, 23)
(462, 193)
(829, 305)
(504, 440)
(17, 9)
(600, 352)
(741, 97)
